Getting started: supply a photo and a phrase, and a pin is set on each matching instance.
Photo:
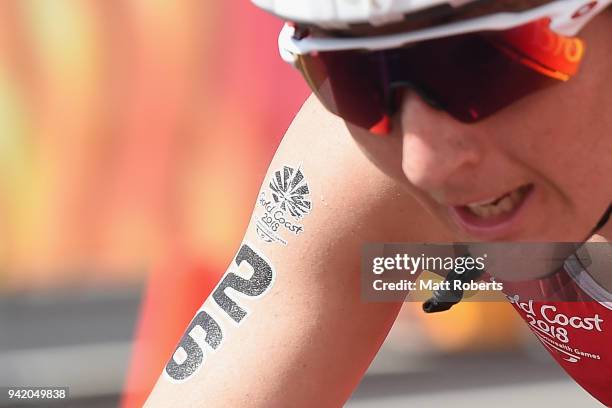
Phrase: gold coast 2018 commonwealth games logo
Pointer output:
(284, 204)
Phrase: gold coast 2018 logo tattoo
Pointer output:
(284, 205)
(206, 331)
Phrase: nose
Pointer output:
(437, 150)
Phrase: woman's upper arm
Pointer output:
(286, 325)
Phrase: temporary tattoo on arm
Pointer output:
(282, 205)
(189, 354)
(259, 282)
(188, 345)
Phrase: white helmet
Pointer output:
(340, 13)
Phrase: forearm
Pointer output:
(308, 338)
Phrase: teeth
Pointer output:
(485, 202)
(506, 204)
(497, 206)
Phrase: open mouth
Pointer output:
(492, 215)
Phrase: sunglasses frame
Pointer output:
(567, 17)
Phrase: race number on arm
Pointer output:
(286, 325)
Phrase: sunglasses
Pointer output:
(469, 69)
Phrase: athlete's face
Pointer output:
(549, 156)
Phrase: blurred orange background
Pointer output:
(128, 128)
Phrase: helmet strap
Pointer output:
(603, 221)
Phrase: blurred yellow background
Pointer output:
(128, 128)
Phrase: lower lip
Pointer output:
(495, 227)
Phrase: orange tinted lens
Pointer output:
(348, 83)
(537, 46)
(471, 76)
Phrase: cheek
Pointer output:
(555, 133)
(385, 152)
